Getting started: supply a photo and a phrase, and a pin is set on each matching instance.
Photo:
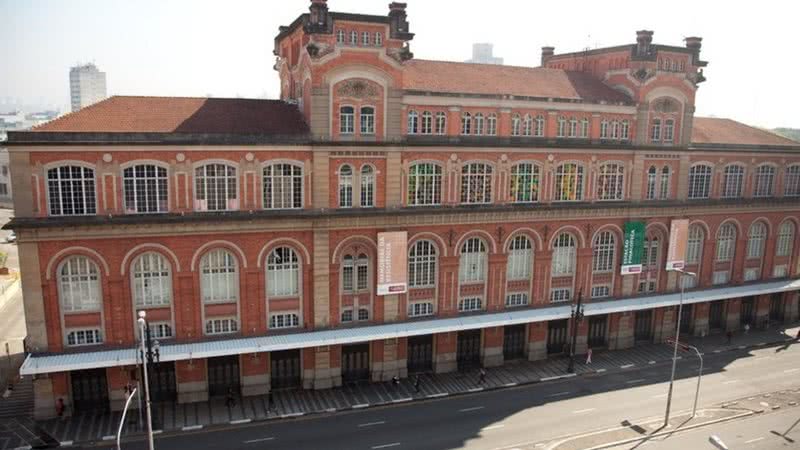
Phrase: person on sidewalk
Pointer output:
(746, 328)
(230, 401)
(482, 376)
(588, 356)
(396, 381)
(729, 337)
(416, 383)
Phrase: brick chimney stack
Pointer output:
(547, 52)
(398, 22)
(643, 40)
(694, 43)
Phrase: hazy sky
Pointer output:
(224, 47)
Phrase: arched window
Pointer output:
(427, 122)
(70, 191)
(215, 187)
(367, 120)
(355, 273)
(283, 272)
(603, 252)
(478, 124)
(539, 131)
(648, 279)
(367, 185)
(733, 181)
(219, 278)
(476, 183)
(520, 259)
(610, 182)
(378, 39)
(791, 184)
(354, 37)
(424, 184)
(441, 123)
(624, 130)
(564, 251)
(584, 128)
(466, 123)
(524, 183)
(651, 183)
(283, 186)
(694, 244)
(669, 130)
(413, 122)
(655, 131)
(515, 125)
(346, 186)
(151, 281)
(765, 181)
(346, 120)
(756, 239)
(340, 36)
(365, 38)
(145, 187)
(422, 265)
(785, 239)
(573, 127)
(569, 182)
(562, 127)
(527, 126)
(726, 242)
(699, 181)
(79, 285)
(491, 124)
(472, 263)
(615, 129)
(604, 134)
(664, 191)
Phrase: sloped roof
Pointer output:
(710, 130)
(124, 114)
(489, 79)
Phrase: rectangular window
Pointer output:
(560, 295)
(420, 309)
(347, 315)
(516, 299)
(364, 38)
(347, 278)
(524, 183)
(362, 277)
(750, 274)
(367, 120)
(160, 330)
(600, 291)
(722, 277)
(780, 271)
(286, 320)
(77, 338)
(363, 314)
(470, 304)
(688, 282)
(346, 120)
(221, 326)
(424, 184)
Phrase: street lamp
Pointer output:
(677, 338)
(577, 316)
(150, 353)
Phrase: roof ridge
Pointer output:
(193, 98)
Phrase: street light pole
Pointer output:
(142, 339)
(699, 377)
(122, 419)
(677, 337)
(577, 317)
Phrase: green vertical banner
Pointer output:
(632, 248)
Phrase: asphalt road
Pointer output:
(514, 417)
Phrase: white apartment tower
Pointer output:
(482, 54)
(87, 85)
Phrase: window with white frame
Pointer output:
(145, 187)
(422, 264)
(524, 183)
(160, 330)
(664, 190)
(470, 304)
(424, 184)
(363, 314)
(694, 244)
(562, 127)
(569, 182)
(472, 261)
(604, 134)
(367, 186)
(89, 336)
(699, 181)
(427, 122)
(283, 186)
(491, 124)
(610, 182)
(151, 280)
(219, 277)
(516, 125)
(478, 131)
(539, 129)
(378, 39)
(520, 258)
(655, 131)
(284, 320)
(603, 252)
(573, 127)
(791, 183)
(283, 272)
(476, 183)
(215, 187)
(687, 282)
(516, 299)
(733, 181)
(413, 122)
(669, 130)
(365, 35)
(785, 239)
(564, 252)
(346, 186)
(624, 133)
(650, 252)
(560, 295)
(340, 36)
(584, 133)
(652, 174)
(347, 120)
(600, 291)
(765, 181)
(367, 120)
(222, 326)
(70, 191)
(752, 273)
(615, 129)
(780, 271)
(726, 242)
(420, 309)
(756, 239)
(347, 315)
(466, 123)
(79, 285)
(722, 277)
(355, 273)
(353, 37)
(441, 123)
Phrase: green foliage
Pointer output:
(3, 258)
(791, 133)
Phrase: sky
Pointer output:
(224, 48)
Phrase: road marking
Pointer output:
(440, 394)
(240, 421)
(790, 370)
(717, 351)
(474, 408)
(635, 381)
(110, 437)
(402, 400)
(493, 427)
(192, 428)
(754, 440)
(66, 443)
(253, 441)
(559, 394)
(558, 377)
(741, 347)
(627, 366)
(651, 362)
(510, 384)
(294, 414)
(730, 381)
(478, 389)
(600, 370)
(360, 405)
(369, 424)
(393, 444)
(581, 411)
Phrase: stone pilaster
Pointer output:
(700, 311)
(492, 347)
(321, 291)
(191, 378)
(255, 373)
(445, 360)
(394, 168)
(733, 314)
(537, 341)
(44, 399)
(624, 331)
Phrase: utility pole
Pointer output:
(577, 317)
(677, 338)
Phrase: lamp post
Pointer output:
(577, 316)
(150, 354)
(677, 338)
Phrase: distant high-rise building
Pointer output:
(482, 54)
(87, 85)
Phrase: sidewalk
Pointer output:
(294, 403)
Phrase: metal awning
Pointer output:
(47, 363)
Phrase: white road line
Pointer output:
(492, 427)
(790, 370)
(360, 405)
(651, 362)
(402, 400)
(754, 440)
(253, 441)
(369, 424)
(581, 411)
(510, 384)
(730, 381)
(474, 408)
(627, 366)
(559, 394)
(440, 394)
(393, 444)
(639, 380)
(240, 421)
(192, 428)
(477, 389)
(600, 370)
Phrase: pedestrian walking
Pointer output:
(729, 336)
(60, 408)
(230, 401)
(746, 328)
(416, 383)
(588, 356)
(482, 376)
(396, 380)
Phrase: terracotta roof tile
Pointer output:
(709, 130)
(123, 114)
(488, 79)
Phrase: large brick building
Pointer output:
(247, 228)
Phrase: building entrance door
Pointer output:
(747, 313)
(643, 326)
(598, 327)
(556, 336)
(223, 374)
(355, 363)
(468, 354)
(514, 342)
(716, 315)
(420, 353)
(89, 390)
(686, 318)
(162, 382)
(776, 308)
(285, 369)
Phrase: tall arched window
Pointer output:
(340, 36)
(785, 239)
(70, 191)
(564, 251)
(726, 242)
(733, 181)
(765, 181)
(756, 239)
(215, 188)
(610, 182)
(466, 123)
(151, 281)
(615, 129)
(655, 131)
(413, 122)
(491, 124)
(355, 273)
(603, 252)
(476, 183)
(422, 264)
(604, 130)
(472, 262)
(516, 123)
(624, 130)
(669, 130)
(573, 127)
(219, 278)
(524, 183)
(283, 272)
(478, 124)
(584, 128)
(346, 186)
(651, 183)
(569, 182)
(539, 131)
(427, 122)
(367, 186)
(664, 190)
(145, 187)
(367, 120)
(791, 184)
(648, 279)
(699, 181)
(353, 37)
(79, 285)
(520, 258)
(441, 123)
(347, 120)
(694, 244)
(424, 184)
(378, 39)
(562, 127)
(283, 186)
(527, 126)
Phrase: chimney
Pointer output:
(318, 12)
(694, 43)
(398, 23)
(643, 40)
(547, 52)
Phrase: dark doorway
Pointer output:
(776, 308)
(285, 369)
(468, 353)
(643, 326)
(420, 353)
(223, 374)
(89, 390)
(747, 313)
(686, 318)
(716, 315)
(514, 342)
(355, 363)
(598, 327)
(162, 382)
(557, 336)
